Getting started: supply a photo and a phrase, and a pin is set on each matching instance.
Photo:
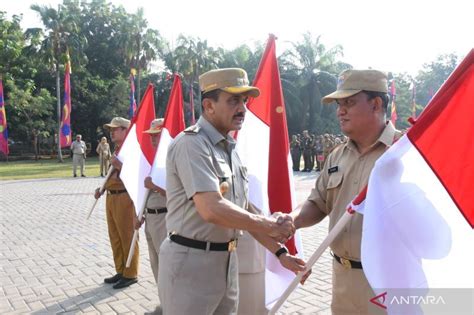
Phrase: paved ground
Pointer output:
(53, 260)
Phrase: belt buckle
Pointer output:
(346, 263)
(232, 246)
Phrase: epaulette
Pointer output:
(192, 130)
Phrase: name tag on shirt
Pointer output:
(333, 169)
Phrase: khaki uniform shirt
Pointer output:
(345, 174)
(103, 149)
(155, 201)
(200, 159)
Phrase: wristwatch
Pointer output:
(281, 251)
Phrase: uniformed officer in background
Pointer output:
(362, 101)
(78, 150)
(121, 216)
(155, 211)
(208, 204)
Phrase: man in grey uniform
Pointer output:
(208, 204)
(78, 149)
(155, 211)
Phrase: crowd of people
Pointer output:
(313, 148)
(206, 239)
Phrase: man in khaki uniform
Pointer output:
(120, 213)
(208, 204)
(362, 104)
(103, 150)
(155, 211)
(78, 149)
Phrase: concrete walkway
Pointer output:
(53, 260)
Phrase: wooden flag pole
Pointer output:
(135, 233)
(102, 189)
(325, 244)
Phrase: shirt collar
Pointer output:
(387, 137)
(214, 135)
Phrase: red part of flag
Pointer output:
(270, 108)
(442, 136)
(142, 120)
(174, 116)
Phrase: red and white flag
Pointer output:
(418, 234)
(264, 135)
(173, 124)
(137, 152)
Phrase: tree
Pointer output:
(63, 34)
(31, 114)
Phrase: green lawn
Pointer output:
(45, 169)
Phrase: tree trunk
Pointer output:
(35, 144)
(58, 97)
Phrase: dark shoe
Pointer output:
(125, 282)
(113, 279)
(83, 175)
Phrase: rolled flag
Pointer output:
(271, 188)
(137, 152)
(173, 124)
(3, 123)
(65, 136)
(133, 103)
(419, 210)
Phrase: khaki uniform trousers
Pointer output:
(155, 231)
(252, 299)
(198, 282)
(78, 160)
(104, 164)
(351, 292)
(120, 219)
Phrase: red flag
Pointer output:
(270, 108)
(419, 209)
(65, 135)
(173, 124)
(3, 123)
(263, 148)
(137, 152)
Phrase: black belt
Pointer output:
(347, 263)
(115, 192)
(157, 211)
(223, 247)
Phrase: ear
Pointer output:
(208, 105)
(377, 104)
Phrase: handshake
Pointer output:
(283, 227)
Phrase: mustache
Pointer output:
(239, 115)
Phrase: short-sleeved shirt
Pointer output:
(344, 175)
(78, 147)
(200, 159)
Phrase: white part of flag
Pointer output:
(158, 169)
(135, 168)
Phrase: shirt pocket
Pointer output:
(333, 188)
(224, 175)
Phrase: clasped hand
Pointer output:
(284, 227)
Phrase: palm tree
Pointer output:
(312, 68)
(62, 33)
(142, 45)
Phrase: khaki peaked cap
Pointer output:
(155, 126)
(351, 82)
(230, 80)
(117, 122)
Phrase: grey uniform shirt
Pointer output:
(156, 200)
(78, 147)
(200, 159)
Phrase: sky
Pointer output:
(397, 36)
